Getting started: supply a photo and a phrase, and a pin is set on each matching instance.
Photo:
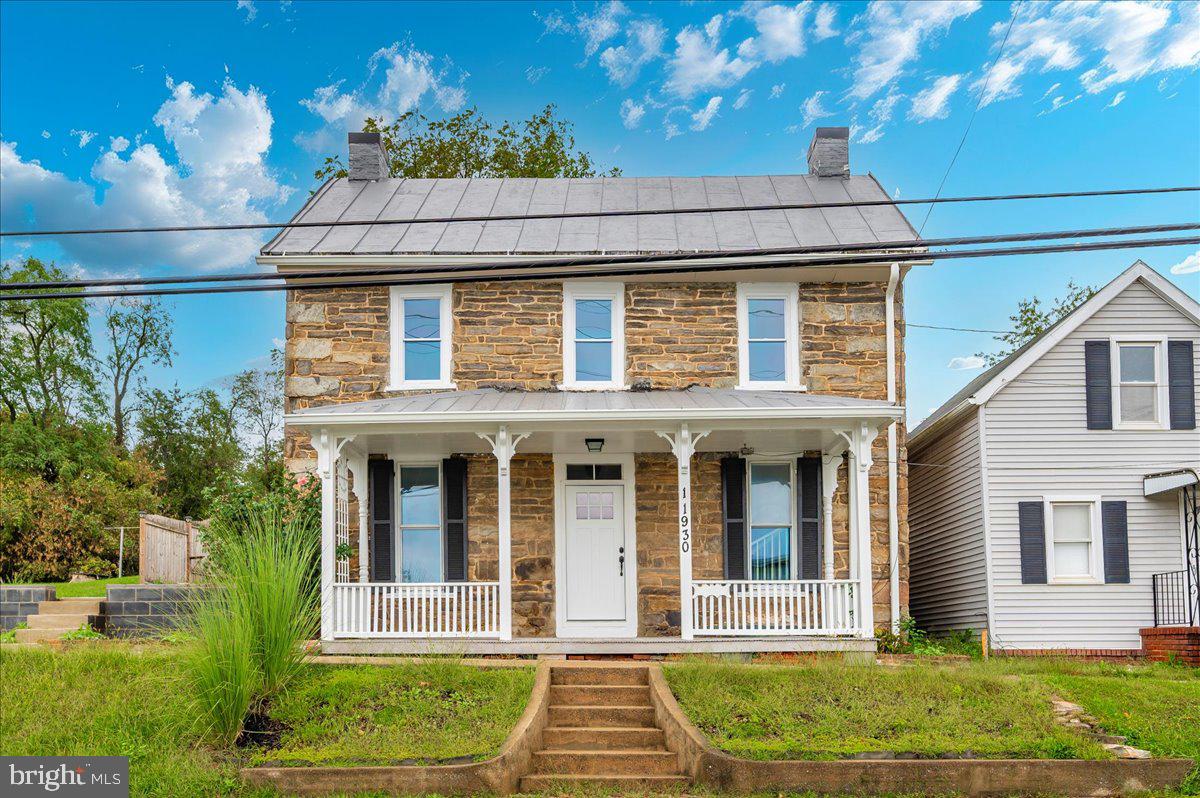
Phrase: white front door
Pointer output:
(597, 558)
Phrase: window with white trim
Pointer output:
(594, 336)
(419, 541)
(768, 336)
(421, 346)
(1138, 384)
(772, 509)
(1073, 546)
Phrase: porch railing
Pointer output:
(775, 607)
(1173, 606)
(416, 609)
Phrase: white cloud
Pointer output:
(45, 134)
(968, 363)
(1189, 265)
(780, 32)
(742, 99)
(1058, 103)
(891, 36)
(601, 26)
(698, 64)
(704, 117)
(631, 114)
(278, 343)
(534, 74)
(860, 134)
(883, 108)
(118, 144)
(219, 176)
(1117, 99)
(777, 90)
(932, 102)
(813, 109)
(84, 136)
(399, 79)
(823, 23)
(1050, 91)
(643, 44)
(249, 7)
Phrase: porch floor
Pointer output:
(615, 646)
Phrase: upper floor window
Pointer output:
(1138, 381)
(768, 336)
(594, 335)
(421, 326)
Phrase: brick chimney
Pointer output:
(368, 159)
(829, 152)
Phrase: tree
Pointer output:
(258, 397)
(467, 145)
(1031, 320)
(139, 333)
(45, 351)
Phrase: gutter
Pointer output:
(893, 454)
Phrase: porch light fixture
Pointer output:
(594, 444)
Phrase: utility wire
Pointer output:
(605, 260)
(979, 104)
(956, 329)
(477, 277)
(599, 214)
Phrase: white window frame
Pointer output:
(444, 295)
(1096, 564)
(400, 526)
(615, 293)
(794, 534)
(790, 294)
(1161, 394)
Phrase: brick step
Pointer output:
(600, 695)
(606, 716)
(600, 674)
(613, 738)
(59, 621)
(70, 606)
(605, 763)
(547, 782)
(39, 635)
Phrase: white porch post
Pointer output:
(683, 446)
(830, 463)
(325, 445)
(860, 512)
(504, 446)
(358, 469)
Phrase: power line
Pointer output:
(900, 257)
(971, 121)
(601, 214)
(956, 329)
(606, 260)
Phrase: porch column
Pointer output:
(325, 444)
(830, 462)
(504, 446)
(862, 437)
(358, 469)
(683, 446)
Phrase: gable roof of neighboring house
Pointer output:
(988, 383)
(401, 198)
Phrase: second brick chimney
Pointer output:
(829, 152)
(368, 159)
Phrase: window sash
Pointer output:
(1127, 389)
(402, 526)
(768, 348)
(1072, 549)
(775, 536)
(411, 350)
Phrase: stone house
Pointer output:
(691, 440)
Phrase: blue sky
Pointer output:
(220, 111)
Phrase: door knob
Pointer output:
(621, 560)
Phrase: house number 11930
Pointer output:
(685, 519)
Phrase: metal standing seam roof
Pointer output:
(392, 198)
(491, 401)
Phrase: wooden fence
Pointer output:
(169, 550)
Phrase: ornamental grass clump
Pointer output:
(251, 622)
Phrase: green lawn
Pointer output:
(90, 589)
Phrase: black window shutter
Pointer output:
(1115, 527)
(1097, 367)
(381, 478)
(1181, 384)
(733, 509)
(808, 498)
(1031, 517)
(454, 499)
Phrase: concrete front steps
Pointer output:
(601, 731)
(55, 618)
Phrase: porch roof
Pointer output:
(492, 406)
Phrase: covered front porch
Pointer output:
(491, 522)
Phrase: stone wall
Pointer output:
(18, 602)
(142, 610)
(678, 335)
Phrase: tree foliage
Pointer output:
(468, 145)
(1032, 319)
(138, 332)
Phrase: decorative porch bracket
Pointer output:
(859, 440)
(329, 448)
(683, 445)
(831, 461)
(504, 446)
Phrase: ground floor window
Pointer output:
(420, 524)
(1073, 541)
(770, 527)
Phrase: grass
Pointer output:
(829, 709)
(93, 588)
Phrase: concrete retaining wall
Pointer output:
(18, 602)
(138, 610)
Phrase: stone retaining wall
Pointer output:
(140, 610)
(18, 602)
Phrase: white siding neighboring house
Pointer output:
(1031, 515)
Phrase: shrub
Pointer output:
(96, 567)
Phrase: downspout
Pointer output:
(893, 454)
